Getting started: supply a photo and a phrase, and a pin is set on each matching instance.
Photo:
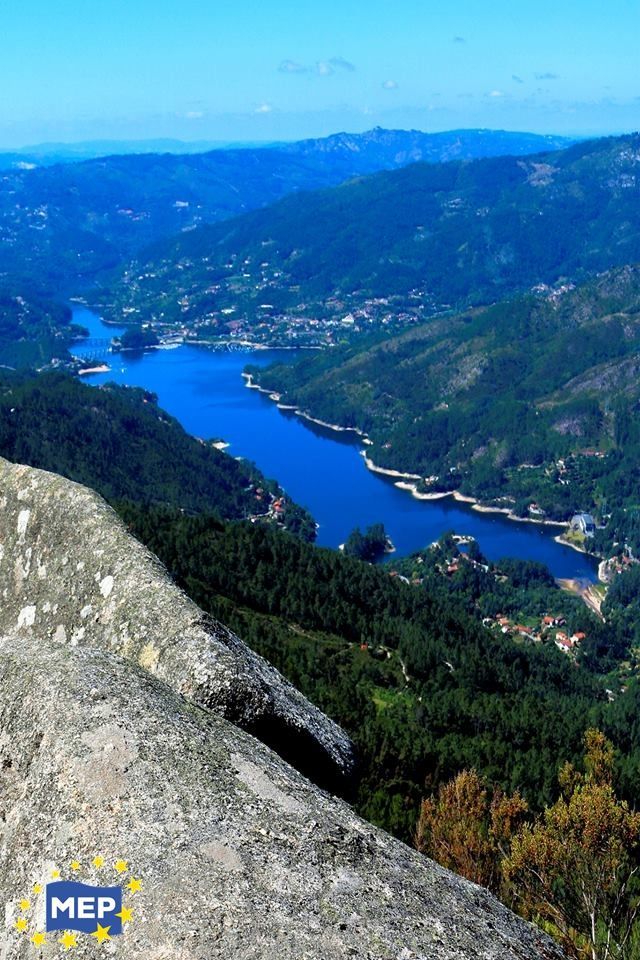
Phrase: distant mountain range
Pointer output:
(59, 223)
(384, 148)
(421, 239)
(48, 154)
(381, 149)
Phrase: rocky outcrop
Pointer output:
(120, 765)
(71, 574)
(238, 856)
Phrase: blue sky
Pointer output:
(207, 69)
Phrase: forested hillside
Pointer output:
(412, 242)
(407, 667)
(58, 223)
(33, 330)
(119, 442)
(534, 399)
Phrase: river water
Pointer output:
(320, 468)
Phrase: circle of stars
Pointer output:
(69, 939)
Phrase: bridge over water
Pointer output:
(93, 348)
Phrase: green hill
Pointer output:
(533, 399)
(401, 244)
(118, 441)
(74, 219)
(33, 330)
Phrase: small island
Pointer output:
(136, 338)
(370, 545)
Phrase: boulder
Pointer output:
(70, 573)
(127, 759)
(237, 855)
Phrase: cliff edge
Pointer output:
(71, 573)
(112, 773)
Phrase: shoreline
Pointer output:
(403, 478)
(387, 471)
(277, 399)
(102, 368)
(574, 546)
(477, 505)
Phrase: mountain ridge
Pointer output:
(73, 220)
(405, 243)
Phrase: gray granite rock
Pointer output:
(121, 707)
(71, 573)
(239, 856)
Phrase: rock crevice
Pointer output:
(122, 749)
(70, 572)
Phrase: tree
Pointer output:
(370, 545)
(468, 831)
(574, 869)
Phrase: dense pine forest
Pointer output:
(402, 661)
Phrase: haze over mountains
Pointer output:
(432, 236)
(436, 147)
(58, 223)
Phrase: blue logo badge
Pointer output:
(78, 906)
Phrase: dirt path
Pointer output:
(589, 594)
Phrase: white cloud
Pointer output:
(496, 93)
(263, 108)
(194, 115)
(292, 66)
(341, 64)
(389, 85)
(323, 68)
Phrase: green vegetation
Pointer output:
(137, 338)
(118, 441)
(406, 243)
(572, 870)
(529, 403)
(408, 669)
(370, 545)
(33, 331)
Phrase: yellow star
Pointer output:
(25, 904)
(134, 885)
(55, 874)
(22, 924)
(101, 934)
(75, 864)
(98, 861)
(38, 939)
(121, 866)
(68, 940)
(126, 915)
(37, 888)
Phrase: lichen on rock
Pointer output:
(239, 856)
(121, 715)
(71, 572)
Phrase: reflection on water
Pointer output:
(319, 468)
